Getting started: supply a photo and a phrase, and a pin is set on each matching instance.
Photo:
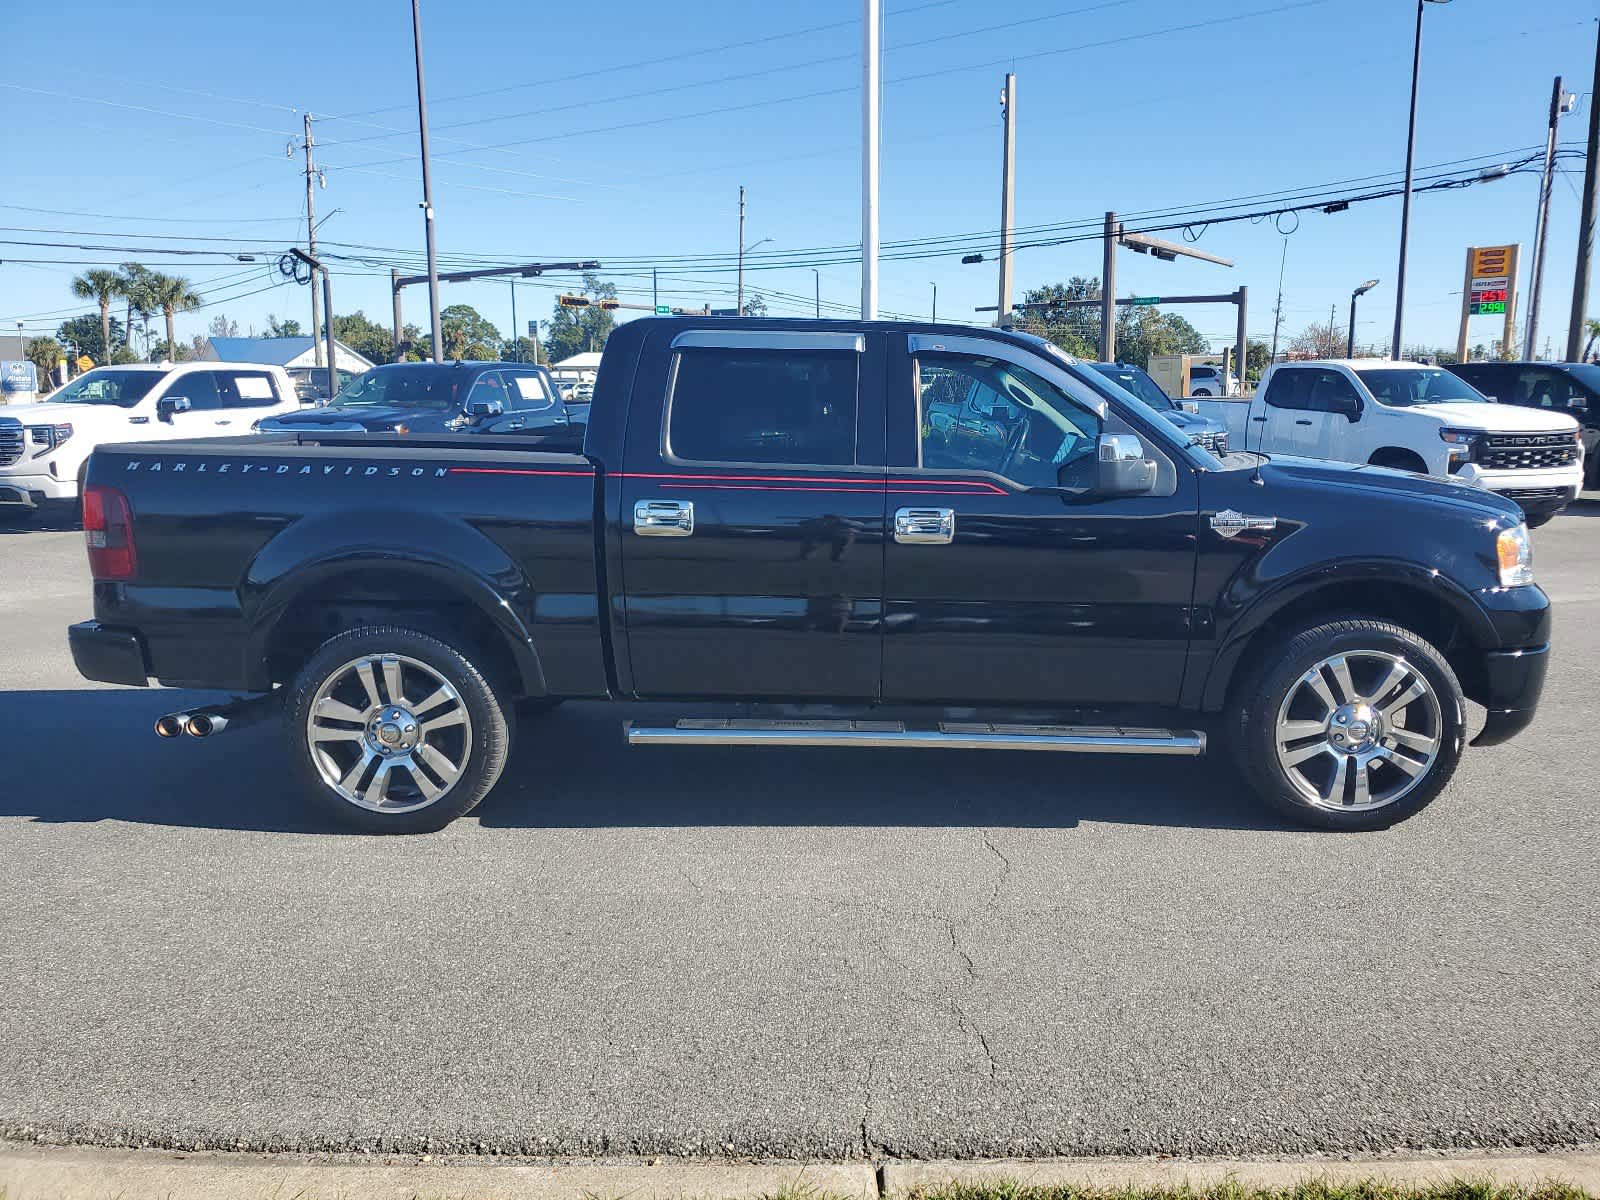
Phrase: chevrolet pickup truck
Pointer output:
(764, 530)
(1411, 417)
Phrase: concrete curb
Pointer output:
(87, 1173)
(1580, 1169)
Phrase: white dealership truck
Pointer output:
(45, 446)
(1411, 417)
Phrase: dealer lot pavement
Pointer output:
(784, 953)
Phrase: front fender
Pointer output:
(317, 550)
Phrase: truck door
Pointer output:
(1309, 411)
(752, 514)
(1006, 581)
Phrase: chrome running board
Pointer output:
(949, 735)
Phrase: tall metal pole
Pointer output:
(816, 282)
(655, 291)
(1277, 309)
(739, 306)
(434, 325)
(1008, 108)
(1350, 342)
(399, 325)
(1587, 220)
(1108, 293)
(871, 20)
(1541, 225)
(1242, 351)
(333, 361)
(516, 348)
(311, 242)
(1395, 349)
(935, 317)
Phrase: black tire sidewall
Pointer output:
(1253, 726)
(491, 730)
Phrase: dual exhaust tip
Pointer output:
(196, 725)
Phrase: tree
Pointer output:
(1593, 326)
(85, 333)
(101, 286)
(527, 350)
(1257, 357)
(1320, 339)
(44, 353)
(172, 294)
(288, 327)
(468, 333)
(573, 330)
(755, 306)
(367, 338)
(135, 290)
(220, 326)
(1146, 330)
(1076, 330)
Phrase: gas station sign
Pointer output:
(1490, 290)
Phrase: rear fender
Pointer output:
(448, 553)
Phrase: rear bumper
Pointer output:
(1512, 681)
(108, 655)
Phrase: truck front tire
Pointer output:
(395, 731)
(1350, 724)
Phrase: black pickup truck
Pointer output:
(765, 524)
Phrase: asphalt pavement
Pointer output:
(784, 953)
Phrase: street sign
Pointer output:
(663, 310)
(573, 301)
(533, 329)
(1144, 301)
(85, 362)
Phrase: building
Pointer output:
(297, 355)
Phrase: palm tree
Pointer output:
(1593, 325)
(134, 288)
(102, 287)
(172, 294)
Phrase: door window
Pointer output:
(526, 392)
(487, 388)
(245, 389)
(1312, 390)
(200, 387)
(763, 406)
(986, 414)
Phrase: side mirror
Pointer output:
(1121, 466)
(480, 410)
(1189, 406)
(167, 406)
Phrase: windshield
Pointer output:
(107, 385)
(1403, 387)
(1132, 379)
(413, 385)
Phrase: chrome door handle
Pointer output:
(925, 526)
(224, 421)
(663, 518)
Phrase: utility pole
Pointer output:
(1108, 292)
(816, 282)
(427, 191)
(1396, 351)
(935, 317)
(655, 293)
(1587, 219)
(740, 302)
(333, 361)
(1333, 310)
(394, 288)
(871, 20)
(516, 349)
(1541, 223)
(1243, 350)
(311, 241)
(1277, 309)
(1008, 167)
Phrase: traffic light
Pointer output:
(609, 305)
(573, 301)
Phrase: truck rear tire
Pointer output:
(1350, 724)
(396, 731)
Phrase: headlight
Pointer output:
(1515, 552)
(50, 435)
(1459, 444)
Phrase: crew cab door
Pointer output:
(752, 515)
(1309, 412)
(1003, 586)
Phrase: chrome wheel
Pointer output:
(389, 733)
(1359, 730)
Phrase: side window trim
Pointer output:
(761, 340)
(231, 378)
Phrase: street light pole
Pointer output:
(871, 21)
(816, 281)
(1395, 350)
(1350, 345)
(935, 317)
(739, 304)
(1541, 225)
(427, 190)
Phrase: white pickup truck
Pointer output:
(1411, 417)
(44, 447)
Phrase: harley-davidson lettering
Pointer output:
(392, 472)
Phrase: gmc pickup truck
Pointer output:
(764, 524)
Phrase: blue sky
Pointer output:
(622, 132)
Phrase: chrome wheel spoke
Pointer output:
(438, 763)
(1341, 773)
(1340, 669)
(1413, 740)
(369, 681)
(1293, 731)
(391, 681)
(337, 710)
(1319, 686)
(378, 790)
(1409, 765)
(1397, 671)
(353, 776)
(1300, 754)
(1416, 691)
(323, 733)
(1363, 787)
(445, 692)
(423, 780)
(447, 720)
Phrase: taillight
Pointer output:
(108, 529)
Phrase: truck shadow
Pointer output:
(91, 755)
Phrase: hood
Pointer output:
(1192, 422)
(1494, 418)
(372, 418)
(1359, 477)
(45, 413)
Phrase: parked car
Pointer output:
(420, 398)
(759, 517)
(1410, 417)
(1571, 388)
(1210, 433)
(44, 446)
